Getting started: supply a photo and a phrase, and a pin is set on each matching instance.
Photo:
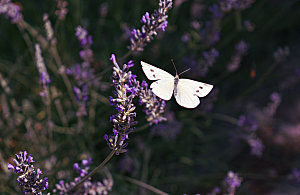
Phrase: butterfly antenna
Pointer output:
(174, 65)
(185, 71)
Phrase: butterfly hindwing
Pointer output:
(200, 89)
(185, 96)
(163, 88)
(154, 73)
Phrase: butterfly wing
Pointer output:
(185, 97)
(154, 73)
(188, 90)
(163, 88)
(200, 89)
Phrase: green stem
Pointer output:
(238, 19)
(225, 118)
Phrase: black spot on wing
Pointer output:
(151, 70)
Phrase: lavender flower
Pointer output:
(241, 50)
(10, 11)
(168, 131)
(127, 164)
(126, 88)
(29, 178)
(211, 32)
(88, 187)
(81, 96)
(271, 108)
(83, 73)
(239, 5)
(48, 29)
(151, 24)
(231, 182)
(281, 53)
(295, 175)
(62, 9)
(248, 123)
(209, 58)
(4, 84)
(215, 191)
(249, 25)
(44, 77)
(256, 145)
(216, 11)
(86, 41)
(154, 106)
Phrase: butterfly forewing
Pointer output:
(163, 88)
(198, 88)
(185, 96)
(154, 73)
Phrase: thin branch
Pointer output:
(144, 185)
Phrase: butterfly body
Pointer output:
(186, 91)
(176, 80)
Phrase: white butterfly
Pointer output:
(185, 90)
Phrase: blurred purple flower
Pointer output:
(241, 50)
(29, 178)
(248, 123)
(169, 130)
(44, 77)
(11, 11)
(151, 24)
(215, 191)
(83, 73)
(239, 5)
(231, 182)
(216, 11)
(210, 34)
(48, 27)
(62, 9)
(256, 145)
(249, 25)
(127, 163)
(209, 58)
(295, 175)
(281, 54)
(271, 108)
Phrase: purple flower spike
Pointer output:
(44, 77)
(29, 178)
(126, 88)
(151, 25)
(83, 73)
